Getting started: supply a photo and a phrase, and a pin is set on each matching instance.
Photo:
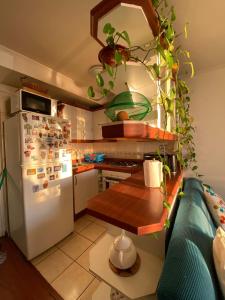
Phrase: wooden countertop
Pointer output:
(132, 206)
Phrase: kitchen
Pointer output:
(104, 181)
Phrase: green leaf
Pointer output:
(173, 15)
(192, 68)
(167, 170)
(166, 205)
(186, 30)
(118, 57)
(104, 92)
(167, 224)
(126, 37)
(168, 58)
(99, 80)
(109, 70)
(155, 3)
(108, 29)
(111, 84)
(169, 33)
(90, 92)
(156, 68)
(181, 194)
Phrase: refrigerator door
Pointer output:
(44, 139)
(48, 206)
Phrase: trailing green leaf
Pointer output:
(99, 80)
(90, 92)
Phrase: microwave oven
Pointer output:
(27, 101)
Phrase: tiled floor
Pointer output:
(66, 265)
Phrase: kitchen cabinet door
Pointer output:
(70, 113)
(99, 118)
(84, 120)
(85, 187)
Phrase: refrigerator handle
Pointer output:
(75, 179)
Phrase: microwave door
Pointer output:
(35, 103)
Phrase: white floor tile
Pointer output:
(93, 231)
(75, 246)
(53, 265)
(81, 223)
(67, 239)
(41, 257)
(83, 260)
(72, 283)
(87, 294)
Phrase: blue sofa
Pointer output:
(188, 272)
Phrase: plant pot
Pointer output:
(107, 54)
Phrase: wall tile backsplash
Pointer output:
(123, 149)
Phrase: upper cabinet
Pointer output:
(81, 122)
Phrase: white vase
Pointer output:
(123, 253)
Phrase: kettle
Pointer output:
(122, 253)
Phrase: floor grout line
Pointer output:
(85, 289)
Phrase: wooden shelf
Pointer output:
(134, 207)
(135, 130)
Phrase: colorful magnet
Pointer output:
(49, 170)
(57, 168)
(31, 172)
(41, 175)
(28, 128)
(24, 115)
(45, 184)
(43, 154)
(52, 177)
(64, 168)
(40, 170)
(35, 118)
(35, 188)
(27, 153)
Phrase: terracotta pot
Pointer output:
(107, 54)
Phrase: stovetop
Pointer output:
(130, 164)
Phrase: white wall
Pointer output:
(208, 110)
(5, 92)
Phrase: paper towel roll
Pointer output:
(153, 173)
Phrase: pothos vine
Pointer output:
(172, 62)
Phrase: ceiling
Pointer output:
(57, 34)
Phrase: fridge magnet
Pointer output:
(43, 154)
(52, 177)
(46, 127)
(24, 115)
(34, 132)
(56, 155)
(45, 184)
(60, 144)
(65, 142)
(31, 172)
(49, 170)
(44, 119)
(57, 168)
(34, 157)
(40, 170)
(35, 188)
(35, 117)
(27, 153)
(56, 144)
(64, 168)
(40, 134)
(36, 125)
(28, 128)
(41, 175)
(56, 176)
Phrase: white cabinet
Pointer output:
(81, 122)
(84, 124)
(85, 187)
(99, 118)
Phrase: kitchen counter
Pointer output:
(132, 206)
(105, 166)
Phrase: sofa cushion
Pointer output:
(216, 205)
(219, 257)
(188, 272)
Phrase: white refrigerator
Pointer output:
(39, 182)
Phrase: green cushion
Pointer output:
(189, 272)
